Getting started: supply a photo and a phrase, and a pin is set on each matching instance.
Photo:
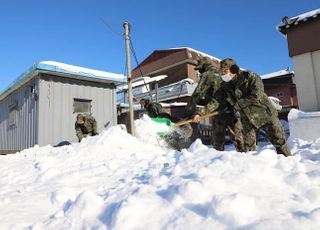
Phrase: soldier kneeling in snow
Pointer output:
(85, 125)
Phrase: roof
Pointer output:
(297, 20)
(196, 51)
(141, 81)
(277, 74)
(163, 58)
(63, 70)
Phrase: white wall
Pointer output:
(24, 133)
(307, 76)
(56, 117)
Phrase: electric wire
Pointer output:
(132, 51)
(137, 62)
(110, 27)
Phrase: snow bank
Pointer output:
(116, 181)
(304, 125)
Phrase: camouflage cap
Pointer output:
(202, 63)
(227, 63)
(144, 101)
(80, 119)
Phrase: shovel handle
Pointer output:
(190, 120)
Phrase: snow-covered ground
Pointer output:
(116, 181)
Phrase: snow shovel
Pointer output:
(180, 123)
(184, 128)
(162, 120)
(169, 123)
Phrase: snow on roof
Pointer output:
(61, 67)
(289, 22)
(65, 69)
(141, 81)
(173, 104)
(199, 52)
(307, 15)
(137, 106)
(277, 74)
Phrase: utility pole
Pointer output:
(126, 26)
(156, 89)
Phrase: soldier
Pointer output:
(85, 126)
(209, 88)
(153, 109)
(252, 105)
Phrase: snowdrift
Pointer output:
(304, 125)
(116, 181)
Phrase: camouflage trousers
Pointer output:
(227, 124)
(274, 132)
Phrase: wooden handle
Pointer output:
(190, 120)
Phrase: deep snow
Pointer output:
(116, 181)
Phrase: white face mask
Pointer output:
(226, 77)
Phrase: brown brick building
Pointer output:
(177, 63)
(281, 85)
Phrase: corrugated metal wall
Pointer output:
(56, 117)
(22, 134)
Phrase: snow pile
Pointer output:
(276, 103)
(116, 181)
(147, 131)
(304, 125)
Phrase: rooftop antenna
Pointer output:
(126, 26)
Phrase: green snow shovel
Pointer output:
(169, 123)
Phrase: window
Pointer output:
(13, 113)
(152, 86)
(279, 94)
(81, 106)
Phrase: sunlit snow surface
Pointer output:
(116, 181)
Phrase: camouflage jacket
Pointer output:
(154, 109)
(246, 94)
(208, 88)
(88, 128)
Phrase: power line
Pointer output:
(132, 51)
(137, 62)
(110, 28)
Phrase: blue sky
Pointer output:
(72, 31)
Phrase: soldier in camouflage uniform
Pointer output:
(85, 126)
(252, 105)
(153, 109)
(209, 88)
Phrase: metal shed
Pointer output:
(41, 106)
